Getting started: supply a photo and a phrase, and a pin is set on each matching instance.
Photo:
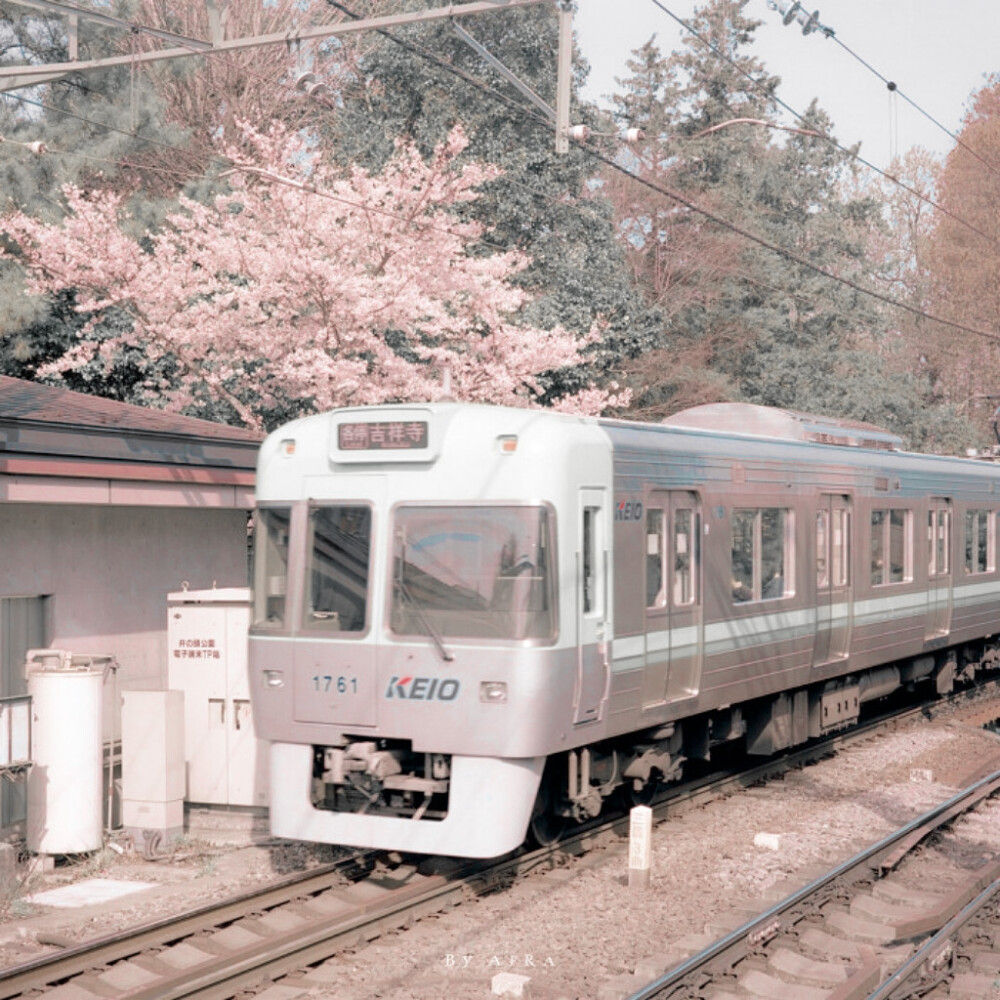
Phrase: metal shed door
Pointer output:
(22, 627)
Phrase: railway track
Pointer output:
(914, 915)
(218, 951)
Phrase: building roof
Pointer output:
(31, 401)
(62, 446)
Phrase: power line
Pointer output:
(829, 138)
(88, 121)
(894, 88)
(481, 239)
(692, 206)
(787, 254)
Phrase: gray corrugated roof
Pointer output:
(44, 420)
(22, 400)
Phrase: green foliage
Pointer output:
(545, 204)
(688, 310)
(745, 322)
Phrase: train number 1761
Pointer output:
(341, 684)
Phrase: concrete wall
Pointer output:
(106, 572)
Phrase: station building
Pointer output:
(105, 509)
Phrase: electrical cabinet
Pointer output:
(153, 763)
(207, 648)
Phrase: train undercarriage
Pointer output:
(383, 777)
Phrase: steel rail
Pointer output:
(39, 972)
(284, 953)
(733, 946)
(289, 952)
(934, 946)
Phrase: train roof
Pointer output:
(788, 425)
(773, 432)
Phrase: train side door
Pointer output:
(592, 606)
(939, 569)
(673, 598)
(834, 608)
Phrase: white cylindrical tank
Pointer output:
(64, 785)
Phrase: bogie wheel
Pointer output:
(643, 796)
(546, 826)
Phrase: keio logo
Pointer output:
(628, 510)
(423, 688)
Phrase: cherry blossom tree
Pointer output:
(303, 288)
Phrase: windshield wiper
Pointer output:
(431, 631)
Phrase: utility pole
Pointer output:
(184, 47)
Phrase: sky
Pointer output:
(938, 52)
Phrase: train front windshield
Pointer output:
(472, 572)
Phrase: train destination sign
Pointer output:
(395, 435)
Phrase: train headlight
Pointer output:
(493, 692)
(507, 444)
(274, 678)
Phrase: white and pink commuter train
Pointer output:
(473, 622)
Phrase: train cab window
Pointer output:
(270, 572)
(590, 594)
(473, 572)
(762, 554)
(980, 541)
(337, 571)
(891, 546)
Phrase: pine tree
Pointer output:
(743, 321)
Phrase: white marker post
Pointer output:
(640, 846)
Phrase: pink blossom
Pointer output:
(298, 282)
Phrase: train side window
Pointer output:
(840, 547)
(685, 556)
(656, 543)
(891, 549)
(270, 572)
(744, 525)
(938, 542)
(339, 548)
(980, 541)
(761, 554)
(822, 549)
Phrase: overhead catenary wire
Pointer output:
(469, 78)
(732, 227)
(892, 178)
(481, 239)
(893, 88)
(538, 119)
(789, 256)
(423, 53)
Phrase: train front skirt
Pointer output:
(490, 804)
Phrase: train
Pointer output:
(476, 624)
